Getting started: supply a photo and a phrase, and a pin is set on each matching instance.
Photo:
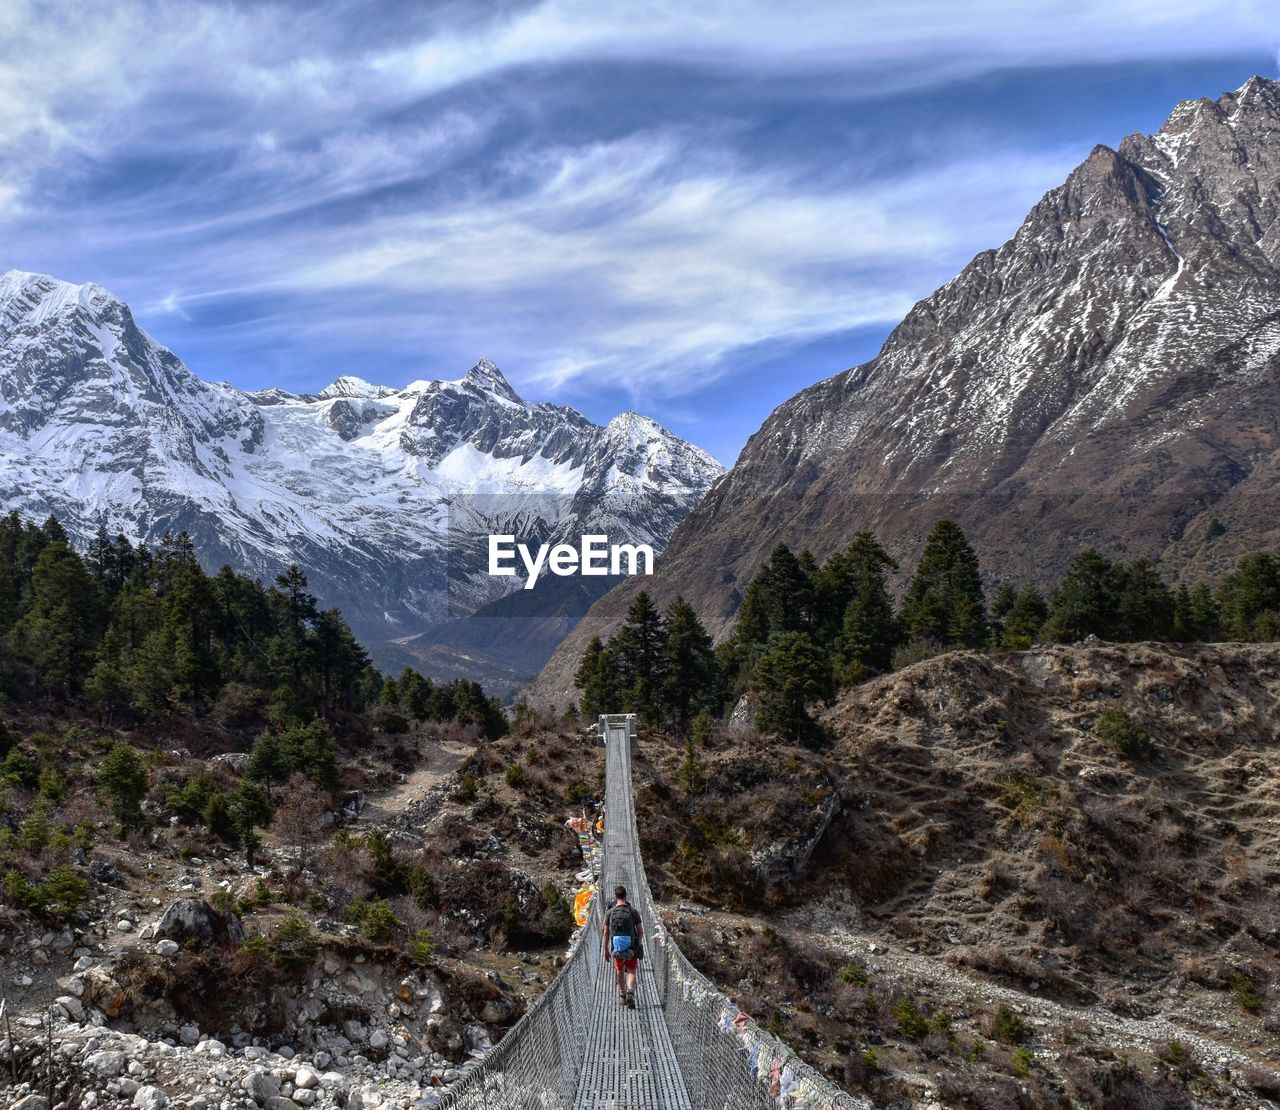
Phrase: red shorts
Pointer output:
(629, 965)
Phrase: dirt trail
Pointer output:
(439, 759)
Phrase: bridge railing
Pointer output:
(727, 1060)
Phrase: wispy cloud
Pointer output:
(283, 184)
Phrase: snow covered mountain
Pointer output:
(1110, 376)
(377, 493)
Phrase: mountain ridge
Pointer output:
(375, 491)
(1106, 377)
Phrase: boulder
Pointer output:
(212, 1047)
(105, 1064)
(73, 1007)
(32, 1102)
(150, 1098)
(260, 1086)
(103, 872)
(194, 921)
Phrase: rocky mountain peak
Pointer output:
(1108, 377)
(351, 386)
(487, 378)
(28, 299)
(101, 425)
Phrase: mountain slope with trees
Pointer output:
(1107, 378)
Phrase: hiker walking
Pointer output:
(621, 937)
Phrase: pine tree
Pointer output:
(1086, 601)
(868, 631)
(122, 777)
(1249, 599)
(150, 673)
(1145, 606)
(690, 670)
(268, 762)
(944, 602)
(692, 775)
(107, 688)
(639, 644)
(787, 591)
(703, 727)
(62, 626)
(792, 674)
(1196, 615)
(249, 809)
(1023, 620)
(597, 678)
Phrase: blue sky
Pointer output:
(693, 210)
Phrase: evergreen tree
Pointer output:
(268, 762)
(307, 749)
(1145, 607)
(190, 615)
(868, 631)
(791, 675)
(1086, 602)
(597, 678)
(1196, 615)
(1249, 599)
(690, 670)
(787, 592)
(62, 626)
(295, 612)
(1023, 619)
(107, 688)
(122, 778)
(639, 645)
(692, 775)
(944, 602)
(1002, 601)
(703, 727)
(150, 673)
(250, 810)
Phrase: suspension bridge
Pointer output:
(684, 1046)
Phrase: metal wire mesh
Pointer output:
(722, 1061)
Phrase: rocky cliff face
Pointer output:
(1107, 377)
(372, 490)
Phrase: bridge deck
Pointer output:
(629, 1062)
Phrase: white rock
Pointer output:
(83, 964)
(305, 1079)
(105, 1064)
(212, 1047)
(378, 1039)
(167, 947)
(124, 925)
(150, 1098)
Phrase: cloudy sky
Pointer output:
(691, 209)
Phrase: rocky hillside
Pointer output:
(1007, 880)
(373, 953)
(1107, 377)
(382, 496)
